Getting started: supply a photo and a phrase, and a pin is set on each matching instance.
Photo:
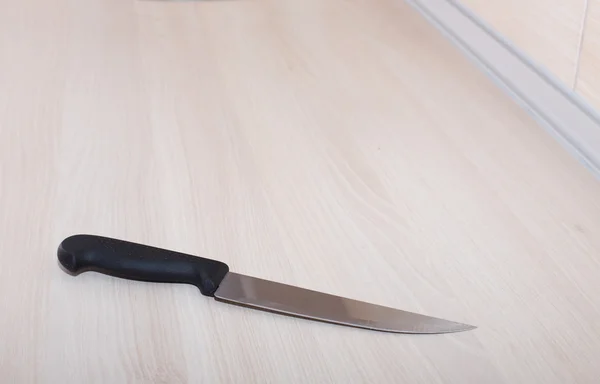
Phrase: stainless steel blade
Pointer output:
(289, 300)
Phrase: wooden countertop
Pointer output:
(342, 146)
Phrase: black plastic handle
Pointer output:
(81, 253)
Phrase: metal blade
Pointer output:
(289, 300)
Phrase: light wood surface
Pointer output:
(343, 146)
(548, 31)
(588, 81)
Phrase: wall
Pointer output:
(588, 79)
(562, 36)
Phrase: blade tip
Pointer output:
(458, 327)
(464, 328)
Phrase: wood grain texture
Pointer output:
(548, 31)
(588, 79)
(343, 146)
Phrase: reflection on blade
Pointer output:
(294, 301)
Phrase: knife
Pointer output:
(81, 253)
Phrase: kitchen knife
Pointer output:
(133, 261)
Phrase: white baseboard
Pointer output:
(569, 118)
